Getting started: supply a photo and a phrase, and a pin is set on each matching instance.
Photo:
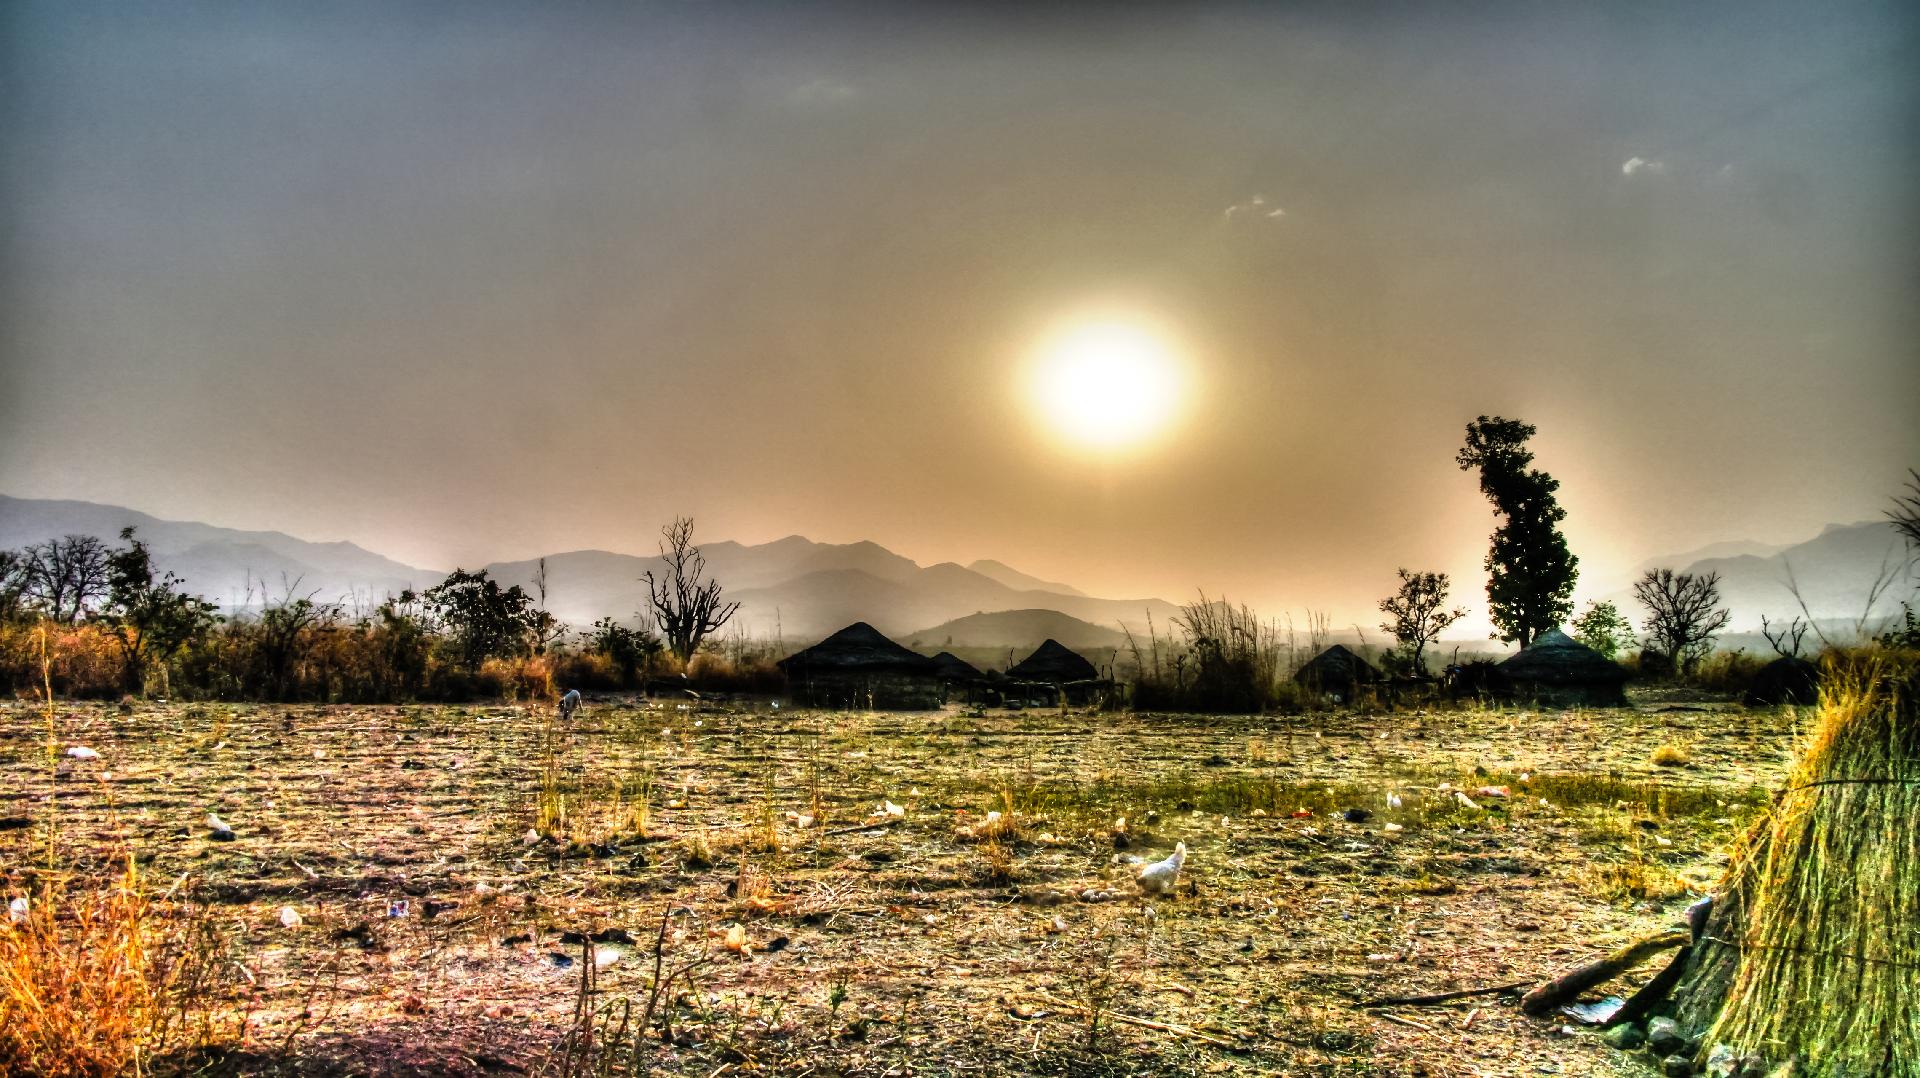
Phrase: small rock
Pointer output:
(1625, 1037)
(1216, 760)
(1677, 1067)
(1664, 1037)
(1722, 1062)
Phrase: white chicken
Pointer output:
(1393, 801)
(1160, 877)
(217, 825)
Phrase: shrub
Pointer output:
(1728, 671)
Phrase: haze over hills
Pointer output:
(1833, 572)
(219, 563)
(802, 590)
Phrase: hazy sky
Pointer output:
(462, 282)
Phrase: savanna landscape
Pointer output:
(630, 538)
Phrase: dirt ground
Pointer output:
(812, 929)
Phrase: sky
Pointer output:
(468, 282)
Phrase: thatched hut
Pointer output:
(1337, 671)
(956, 670)
(1055, 671)
(860, 667)
(1558, 671)
(1786, 680)
(1806, 958)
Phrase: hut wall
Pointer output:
(894, 690)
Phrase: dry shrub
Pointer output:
(523, 678)
(715, 672)
(1730, 672)
(1672, 754)
(102, 981)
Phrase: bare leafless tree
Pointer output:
(686, 606)
(1785, 640)
(67, 577)
(547, 629)
(1683, 613)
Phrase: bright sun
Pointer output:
(1106, 384)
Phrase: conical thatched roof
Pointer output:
(1054, 662)
(954, 668)
(1558, 670)
(1554, 658)
(1336, 666)
(858, 647)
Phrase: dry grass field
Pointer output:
(760, 907)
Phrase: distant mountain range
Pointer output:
(795, 587)
(1833, 572)
(803, 590)
(219, 563)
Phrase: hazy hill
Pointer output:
(217, 562)
(1019, 581)
(1833, 571)
(1020, 629)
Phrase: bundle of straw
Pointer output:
(1812, 957)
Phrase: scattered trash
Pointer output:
(17, 909)
(531, 838)
(1393, 801)
(1493, 791)
(398, 908)
(221, 830)
(290, 917)
(1392, 827)
(81, 752)
(890, 809)
(1594, 1014)
(1465, 801)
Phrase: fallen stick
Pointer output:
(1422, 1026)
(879, 826)
(1653, 993)
(1143, 1023)
(1443, 997)
(1568, 985)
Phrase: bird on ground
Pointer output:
(1393, 801)
(569, 704)
(1160, 877)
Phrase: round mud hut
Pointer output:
(1558, 671)
(1339, 672)
(859, 667)
(1054, 672)
(1786, 680)
(1807, 960)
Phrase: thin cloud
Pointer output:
(1257, 205)
(823, 92)
(1633, 166)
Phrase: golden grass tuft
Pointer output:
(1672, 754)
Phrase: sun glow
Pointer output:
(1107, 385)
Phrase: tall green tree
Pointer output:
(150, 616)
(1530, 571)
